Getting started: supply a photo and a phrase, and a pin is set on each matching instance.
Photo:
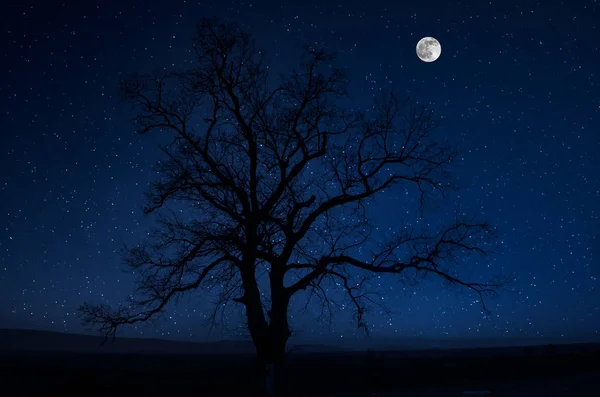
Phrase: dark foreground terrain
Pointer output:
(562, 370)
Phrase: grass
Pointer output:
(573, 369)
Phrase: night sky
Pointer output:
(517, 84)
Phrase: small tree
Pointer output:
(277, 180)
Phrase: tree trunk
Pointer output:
(270, 354)
(270, 338)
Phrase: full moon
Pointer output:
(428, 49)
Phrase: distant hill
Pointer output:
(425, 343)
(49, 341)
(30, 340)
(16, 340)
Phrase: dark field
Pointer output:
(564, 370)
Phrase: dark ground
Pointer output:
(563, 370)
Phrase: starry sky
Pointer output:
(517, 85)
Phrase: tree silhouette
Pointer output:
(277, 180)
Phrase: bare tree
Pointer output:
(277, 181)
